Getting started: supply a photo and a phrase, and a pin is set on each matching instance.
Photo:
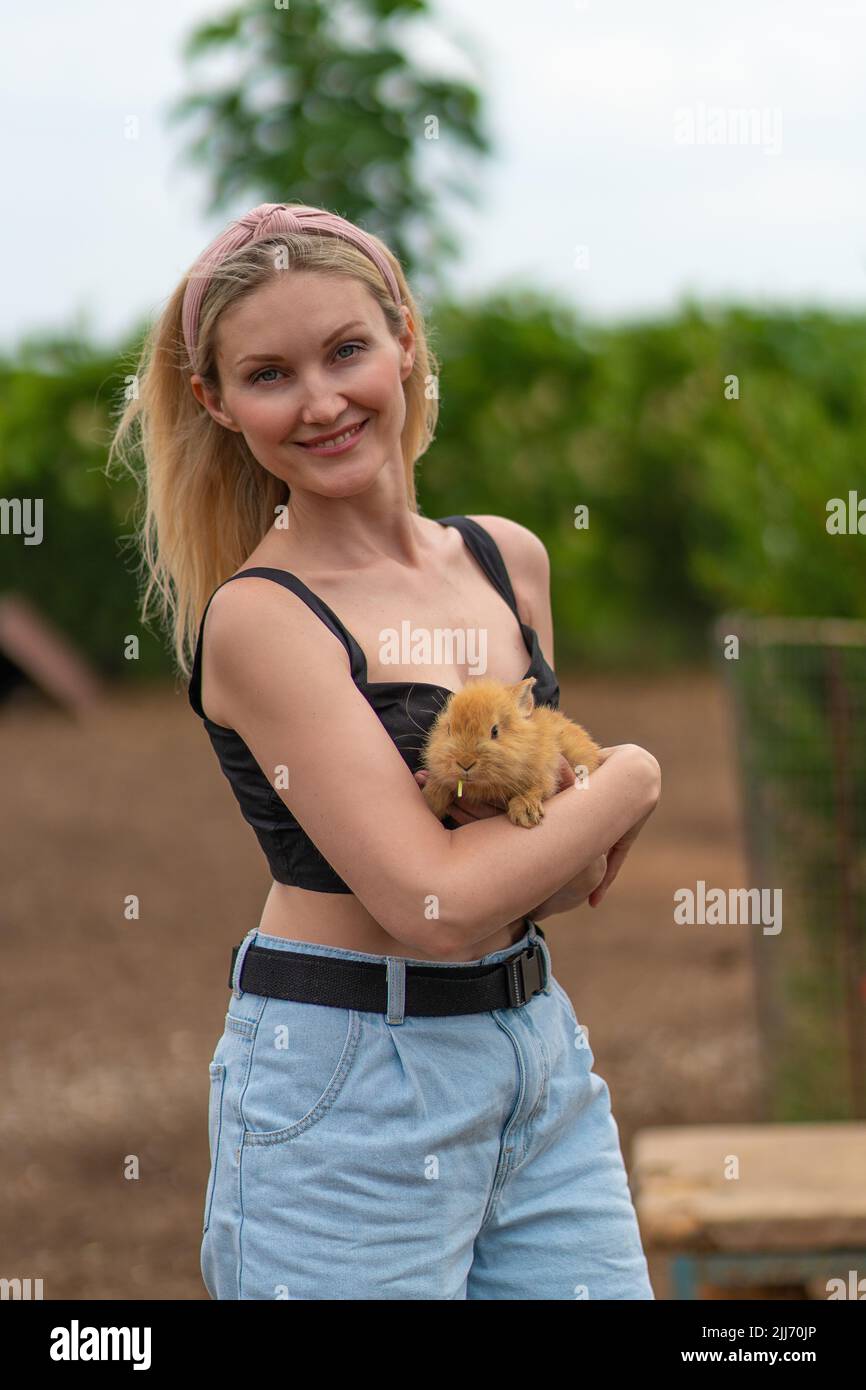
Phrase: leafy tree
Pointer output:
(325, 107)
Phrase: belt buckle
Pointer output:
(525, 976)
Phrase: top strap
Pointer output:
(487, 553)
(479, 542)
(297, 586)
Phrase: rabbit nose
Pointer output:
(465, 768)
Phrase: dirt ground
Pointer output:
(108, 1024)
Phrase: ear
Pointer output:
(407, 344)
(523, 691)
(212, 403)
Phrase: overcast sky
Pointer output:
(627, 169)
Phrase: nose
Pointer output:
(320, 403)
(470, 767)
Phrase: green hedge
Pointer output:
(696, 503)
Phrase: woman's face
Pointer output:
(308, 355)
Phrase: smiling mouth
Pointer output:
(338, 443)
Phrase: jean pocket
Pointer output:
(214, 1128)
(303, 1055)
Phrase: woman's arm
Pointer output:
(579, 825)
(275, 673)
(591, 883)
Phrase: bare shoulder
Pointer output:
(526, 560)
(528, 564)
(245, 620)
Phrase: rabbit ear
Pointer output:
(523, 691)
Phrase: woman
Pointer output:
(402, 1103)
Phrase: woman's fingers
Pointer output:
(567, 776)
(614, 864)
(458, 810)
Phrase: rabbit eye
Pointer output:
(494, 732)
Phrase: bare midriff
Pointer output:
(341, 920)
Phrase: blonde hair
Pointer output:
(206, 501)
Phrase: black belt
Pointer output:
(363, 985)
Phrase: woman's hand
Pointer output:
(615, 857)
(482, 810)
(591, 884)
(617, 853)
(572, 894)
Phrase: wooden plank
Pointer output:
(791, 1186)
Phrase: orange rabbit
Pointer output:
(491, 742)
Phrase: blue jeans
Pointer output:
(458, 1156)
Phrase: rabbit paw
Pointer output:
(525, 810)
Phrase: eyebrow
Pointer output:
(276, 357)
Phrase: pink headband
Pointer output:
(264, 221)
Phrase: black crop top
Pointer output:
(402, 706)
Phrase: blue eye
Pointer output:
(351, 345)
(258, 376)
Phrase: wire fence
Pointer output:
(798, 688)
